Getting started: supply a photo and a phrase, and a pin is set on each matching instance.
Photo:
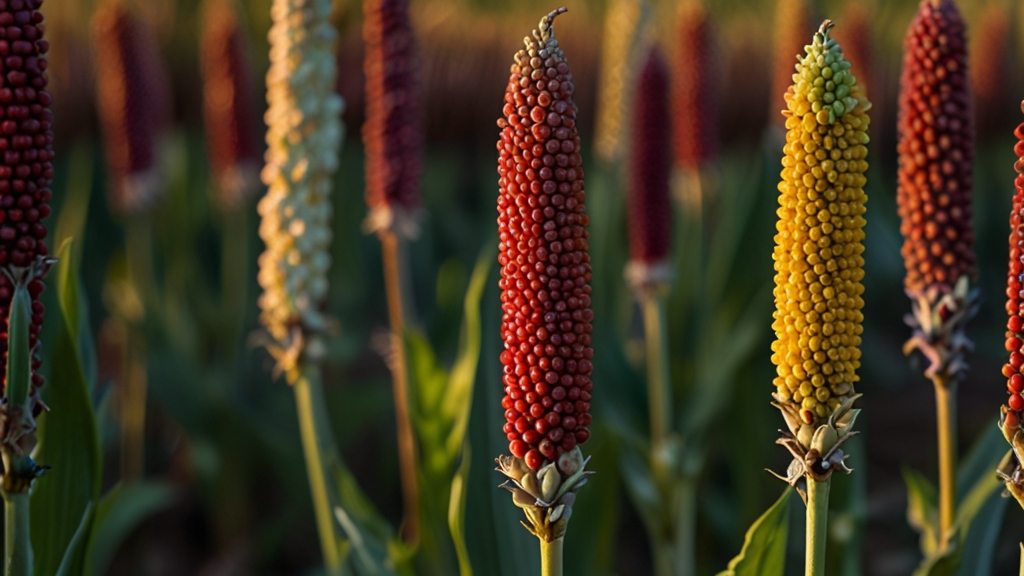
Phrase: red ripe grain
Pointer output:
(543, 254)
(391, 133)
(695, 91)
(936, 149)
(1014, 276)
(650, 210)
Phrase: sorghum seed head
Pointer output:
(304, 132)
(936, 149)
(392, 132)
(132, 103)
(229, 105)
(1013, 370)
(818, 249)
(649, 208)
(545, 267)
(27, 140)
(625, 31)
(990, 62)
(695, 92)
(793, 24)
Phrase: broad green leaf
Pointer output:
(73, 563)
(764, 547)
(120, 511)
(457, 512)
(922, 510)
(68, 440)
(368, 554)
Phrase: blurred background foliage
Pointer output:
(222, 435)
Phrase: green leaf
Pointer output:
(922, 510)
(764, 547)
(73, 563)
(457, 512)
(120, 511)
(68, 441)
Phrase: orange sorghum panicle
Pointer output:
(695, 93)
(132, 107)
(936, 150)
(545, 267)
(229, 105)
(1013, 370)
(819, 245)
(793, 25)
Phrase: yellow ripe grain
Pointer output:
(819, 263)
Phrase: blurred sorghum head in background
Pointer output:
(392, 133)
(695, 88)
(133, 100)
(793, 26)
(625, 32)
(936, 150)
(229, 105)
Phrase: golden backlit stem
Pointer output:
(945, 404)
(817, 526)
(551, 557)
(659, 379)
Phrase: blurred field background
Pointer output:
(223, 436)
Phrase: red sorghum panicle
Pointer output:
(793, 26)
(229, 105)
(545, 268)
(936, 149)
(650, 211)
(391, 133)
(695, 92)
(132, 105)
(26, 140)
(1012, 370)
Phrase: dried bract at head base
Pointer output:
(936, 151)
(649, 206)
(1012, 413)
(304, 133)
(818, 253)
(696, 87)
(392, 132)
(133, 105)
(545, 265)
(229, 105)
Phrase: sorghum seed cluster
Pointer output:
(936, 149)
(793, 25)
(650, 210)
(26, 142)
(1013, 370)
(695, 93)
(545, 268)
(818, 254)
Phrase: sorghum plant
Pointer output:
(936, 149)
(304, 132)
(1013, 411)
(856, 38)
(695, 89)
(792, 25)
(25, 178)
(392, 139)
(229, 105)
(989, 63)
(545, 291)
(819, 268)
(624, 32)
(131, 105)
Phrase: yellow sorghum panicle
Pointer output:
(624, 30)
(818, 249)
(304, 132)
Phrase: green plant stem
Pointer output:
(1022, 560)
(551, 557)
(393, 280)
(686, 528)
(235, 272)
(319, 450)
(817, 526)
(659, 380)
(945, 404)
(17, 546)
(133, 407)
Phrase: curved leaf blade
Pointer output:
(764, 547)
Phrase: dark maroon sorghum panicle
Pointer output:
(391, 133)
(229, 105)
(26, 140)
(132, 105)
(936, 149)
(695, 94)
(650, 210)
(545, 268)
